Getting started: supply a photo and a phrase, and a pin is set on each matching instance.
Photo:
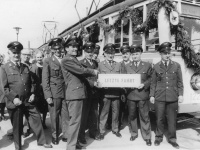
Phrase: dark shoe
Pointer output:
(117, 134)
(100, 137)
(132, 138)
(148, 142)
(26, 134)
(82, 140)
(46, 145)
(78, 146)
(174, 144)
(157, 142)
(55, 141)
(94, 137)
(64, 139)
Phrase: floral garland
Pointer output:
(191, 59)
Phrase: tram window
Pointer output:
(152, 40)
(192, 27)
(137, 38)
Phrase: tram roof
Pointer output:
(105, 10)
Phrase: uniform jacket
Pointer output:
(145, 70)
(75, 77)
(167, 83)
(52, 78)
(91, 79)
(17, 83)
(1, 90)
(105, 68)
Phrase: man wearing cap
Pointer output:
(166, 92)
(125, 50)
(139, 96)
(75, 78)
(19, 89)
(111, 96)
(96, 53)
(90, 106)
(53, 86)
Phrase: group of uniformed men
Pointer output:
(72, 91)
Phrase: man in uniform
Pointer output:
(166, 92)
(90, 105)
(53, 86)
(19, 89)
(111, 96)
(75, 77)
(2, 97)
(125, 50)
(139, 96)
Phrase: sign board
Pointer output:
(119, 80)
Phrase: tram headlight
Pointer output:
(195, 81)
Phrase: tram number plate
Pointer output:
(119, 80)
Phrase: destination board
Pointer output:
(119, 80)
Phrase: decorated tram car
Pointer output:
(149, 23)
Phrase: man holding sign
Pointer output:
(139, 96)
(111, 96)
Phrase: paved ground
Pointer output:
(187, 135)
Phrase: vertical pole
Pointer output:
(143, 35)
(17, 37)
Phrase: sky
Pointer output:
(30, 16)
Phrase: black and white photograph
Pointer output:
(100, 74)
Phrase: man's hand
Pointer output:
(49, 101)
(152, 100)
(141, 86)
(32, 98)
(180, 99)
(96, 72)
(123, 98)
(17, 101)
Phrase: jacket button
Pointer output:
(25, 89)
(167, 87)
(167, 82)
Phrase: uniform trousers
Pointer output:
(90, 108)
(170, 110)
(145, 125)
(55, 113)
(107, 102)
(34, 119)
(73, 112)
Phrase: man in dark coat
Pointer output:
(53, 86)
(2, 96)
(139, 97)
(111, 96)
(19, 90)
(75, 91)
(166, 92)
(90, 105)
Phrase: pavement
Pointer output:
(188, 137)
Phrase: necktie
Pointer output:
(165, 64)
(110, 62)
(136, 64)
(17, 65)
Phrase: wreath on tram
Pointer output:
(191, 59)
